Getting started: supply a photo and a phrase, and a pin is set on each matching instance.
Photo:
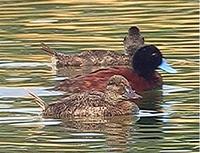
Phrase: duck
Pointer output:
(142, 74)
(131, 42)
(117, 99)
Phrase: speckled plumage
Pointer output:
(133, 41)
(100, 57)
(117, 99)
(92, 58)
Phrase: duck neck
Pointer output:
(147, 75)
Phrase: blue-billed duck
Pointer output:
(142, 75)
(132, 41)
(117, 99)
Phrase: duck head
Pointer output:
(134, 30)
(133, 41)
(147, 59)
(118, 89)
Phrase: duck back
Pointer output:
(88, 104)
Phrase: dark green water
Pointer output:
(169, 122)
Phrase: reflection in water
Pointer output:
(151, 100)
(116, 130)
(14, 92)
(85, 134)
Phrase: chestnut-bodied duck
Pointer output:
(142, 75)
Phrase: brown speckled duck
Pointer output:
(132, 42)
(117, 99)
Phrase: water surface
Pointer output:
(168, 121)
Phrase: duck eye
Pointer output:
(154, 54)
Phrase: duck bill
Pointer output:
(166, 67)
(131, 94)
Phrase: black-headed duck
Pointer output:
(132, 41)
(117, 99)
(142, 75)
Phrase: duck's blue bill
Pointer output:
(166, 67)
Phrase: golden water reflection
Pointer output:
(73, 26)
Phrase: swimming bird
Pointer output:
(142, 75)
(132, 41)
(117, 99)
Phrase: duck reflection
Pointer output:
(151, 100)
(117, 130)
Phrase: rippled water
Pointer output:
(168, 121)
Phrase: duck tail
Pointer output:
(38, 101)
(48, 50)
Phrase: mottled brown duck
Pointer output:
(131, 42)
(117, 99)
